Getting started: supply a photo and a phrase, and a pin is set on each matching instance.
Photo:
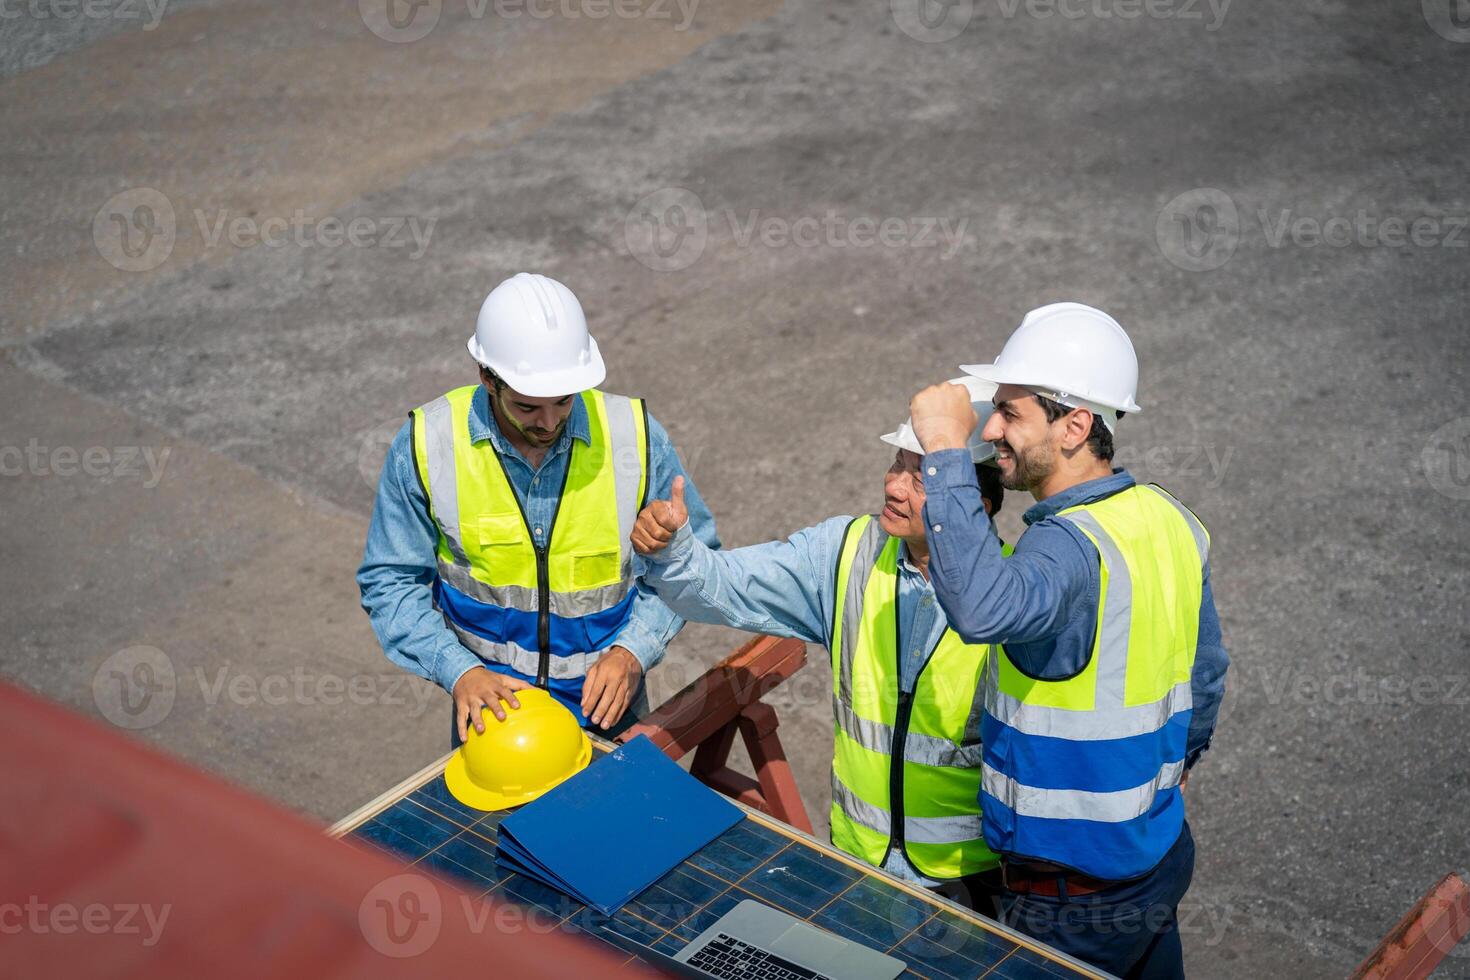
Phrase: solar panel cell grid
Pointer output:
(427, 827)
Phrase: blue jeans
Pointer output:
(1130, 929)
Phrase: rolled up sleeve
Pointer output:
(650, 628)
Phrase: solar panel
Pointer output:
(421, 823)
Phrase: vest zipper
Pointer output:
(543, 618)
(905, 709)
(543, 574)
(901, 736)
(543, 580)
(895, 774)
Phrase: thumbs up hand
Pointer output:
(659, 521)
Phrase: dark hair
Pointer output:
(496, 381)
(990, 487)
(1099, 440)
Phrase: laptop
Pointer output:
(753, 941)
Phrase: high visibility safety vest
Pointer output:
(547, 613)
(906, 766)
(1084, 772)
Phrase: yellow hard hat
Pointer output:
(537, 746)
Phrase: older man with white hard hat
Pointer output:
(1105, 667)
(498, 555)
(904, 684)
(982, 453)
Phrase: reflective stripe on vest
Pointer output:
(1083, 771)
(490, 584)
(937, 780)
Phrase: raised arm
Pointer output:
(652, 625)
(783, 588)
(990, 598)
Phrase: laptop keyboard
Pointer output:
(730, 959)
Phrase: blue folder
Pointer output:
(616, 827)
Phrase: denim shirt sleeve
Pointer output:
(1031, 596)
(397, 572)
(1207, 683)
(783, 588)
(652, 624)
(1044, 593)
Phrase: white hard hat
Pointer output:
(532, 333)
(1073, 354)
(980, 394)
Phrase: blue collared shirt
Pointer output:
(1042, 601)
(788, 588)
(399, 565)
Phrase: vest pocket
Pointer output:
(594, 569)
(501, 529)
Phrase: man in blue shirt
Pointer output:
(790, 588)
(496, 558)
(1110, 668)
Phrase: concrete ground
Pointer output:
(782, 221)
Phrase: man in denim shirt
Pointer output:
(1107, 663)
(518, 573)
